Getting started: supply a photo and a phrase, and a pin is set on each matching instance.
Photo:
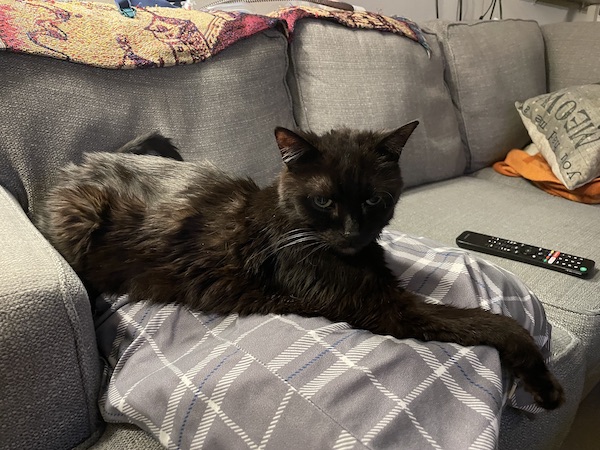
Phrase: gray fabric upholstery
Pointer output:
(49, 363)
(525, 214)
(126, 437)
(484, 60)
(206, 109)
(572, 53)
(377, 80)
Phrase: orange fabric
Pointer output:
(535, 169)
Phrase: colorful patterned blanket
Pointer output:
(97, 34)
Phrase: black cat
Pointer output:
(170, 231)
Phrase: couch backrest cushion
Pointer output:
(572, 54)
(491, 65)
(224, 109)
(342, 77)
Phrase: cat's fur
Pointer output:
(172, 231)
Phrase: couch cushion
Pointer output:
(49, 364)
(369, 79)
(224, 109)
(572, 56)
(491, 65)
(486, 202)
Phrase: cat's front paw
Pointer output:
(546, 390)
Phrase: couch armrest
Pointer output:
(49, 364)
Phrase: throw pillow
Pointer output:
(565, 126)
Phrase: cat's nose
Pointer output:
(351, 229)
(351, 234)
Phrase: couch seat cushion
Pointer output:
(492, 204)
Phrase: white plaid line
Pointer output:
(345, 441)
(401, 404)
(118, 400)
(482, 370)
(365, 347)
(163, 433)
(447, 281)
(185, 379)
(492, 298)
(275, 419)
(441, 371)
(186, 384)
(340, 367)
(305, 342)
(391, 415)
(421, 262)
(271, 318)
(227, 421)
(292, 352)
(121, 329)
(132, 415)
(324, 378)
(487, 440)
(145, 333)
(529, 314)
(216, 400)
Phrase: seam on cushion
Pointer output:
(587, 313)
(274, 34)
(294, 70)
(466, 161)
(285, 382)
(458, 104)
(21, 217)
(573, 343)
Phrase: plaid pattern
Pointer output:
(204, 381)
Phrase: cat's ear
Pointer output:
(394, 142)
(295, 150)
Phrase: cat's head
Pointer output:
(342, 186)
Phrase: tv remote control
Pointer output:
(530, 254)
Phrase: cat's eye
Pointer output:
(323, 202)
(375, 200)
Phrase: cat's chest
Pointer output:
(326, 274)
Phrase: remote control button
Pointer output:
(583, 269)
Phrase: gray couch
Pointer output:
(225, 109)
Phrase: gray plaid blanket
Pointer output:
(204, 381)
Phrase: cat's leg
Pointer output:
(154, 144)
(412, 318)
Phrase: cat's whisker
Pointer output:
(299, 240)
(389, 195)
(319, 247)
(287, 238)
(296, 233)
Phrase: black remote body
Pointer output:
(530, 254)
